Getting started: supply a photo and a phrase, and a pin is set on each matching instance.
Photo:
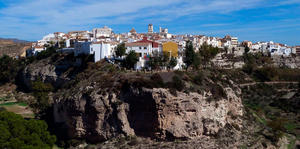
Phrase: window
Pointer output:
(139, 54)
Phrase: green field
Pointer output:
(14, 103)
(18, 108)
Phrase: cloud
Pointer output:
(215, 25)
(64, 12)
(31, 19)
(288, 2)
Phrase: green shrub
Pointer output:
(133, 141)
(177, 83)
(266, 74)
(218, 91)
(199, 78)
(289, 74)
(130, 60)
(2, 109)
(40, 92)
(157, 81)
(9, 69)
(277, 127)
(46, 53)
(248, 68)
(16, 132)
(74, 143)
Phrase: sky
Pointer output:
(253, 20)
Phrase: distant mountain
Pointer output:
(13, 47)
(15, 40)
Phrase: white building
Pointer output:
(234, 41)
(212, 41)
(163, 30)
(144, 48)
(102, 32)
(150, 28)
(255, 47)
(79, 35)
(101, 50)
(37, 49)
(180, 64)
(82, 47)
(229, 41)
(46, 39)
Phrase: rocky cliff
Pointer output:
(231, 61)
(96, 112)
(56, 70)
(203, 109)
(287, 62)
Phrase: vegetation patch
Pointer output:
(16, 132)
(14, 103)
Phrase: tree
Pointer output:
(121, 49)
(40, 92)
(247, 49)
(226, 50)
(51, 50)
(9, 69)
(208, 52)
(130, 60)
(172, 62)
(177, 83)
(164, 59)
(16, 132)
(154, 62)
(189, 54)
(196, 61)
(62, 44)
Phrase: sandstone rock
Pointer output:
(155, 113)
(48, 71)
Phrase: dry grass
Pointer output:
(24, 111)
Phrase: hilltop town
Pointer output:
(102, 42)
(97, 89)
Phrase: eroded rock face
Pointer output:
(156, 113)
(193, 115)
(47, 70)
(288, 62)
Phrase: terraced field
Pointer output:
(18, 108)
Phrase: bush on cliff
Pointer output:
(266, 74)
(157, 81)
(18, 133)
(130, 60)
(198, 79)
(46, 53)
(177, 83)
(40, 92)
(9, 68)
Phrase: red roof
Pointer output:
(145, 40)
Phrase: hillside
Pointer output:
(13, 47)
(100, 105)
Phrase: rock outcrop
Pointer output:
(97, 115)
(56, 70)
(287, 62)
(228, 61)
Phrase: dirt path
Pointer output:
(26, 112)
(268, 83)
